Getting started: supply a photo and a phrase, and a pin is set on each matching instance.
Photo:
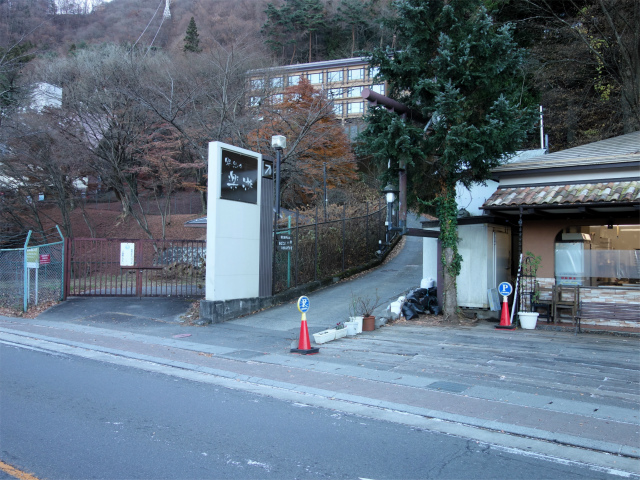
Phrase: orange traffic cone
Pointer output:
(304, 345)
(505, 322)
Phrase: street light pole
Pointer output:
(390, 194)
(324, 172)
(279, 143)
(278, 158)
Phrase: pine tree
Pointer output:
(293, 21)
(357, 16)
(458, 69)
(191, 40)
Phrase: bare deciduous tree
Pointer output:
(610, 31)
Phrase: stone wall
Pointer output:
(613, 296)
(597, 295)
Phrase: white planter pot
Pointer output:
(324, 336)
(351, 328)
(341, 332)
(359, 322)
(528, 320)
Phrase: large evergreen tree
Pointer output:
(455, 67)
(293, 21)
(356, 15)
(191, 39)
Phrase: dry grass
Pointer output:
(436, 321)
(32, 312)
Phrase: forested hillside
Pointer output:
(144, 92)
(584, 61)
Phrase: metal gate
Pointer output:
(141, 268)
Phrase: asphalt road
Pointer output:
(67, 417)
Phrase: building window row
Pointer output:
(352, 108)
(332, 94)
(316, 78)
(352, 92)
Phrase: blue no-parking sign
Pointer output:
(505, 289)
(303, 304)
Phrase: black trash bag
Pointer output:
(420, 292)
(418, 307)
(432, 291)
(411, 297)
(408, 311)
(428, 301)
(434, 308)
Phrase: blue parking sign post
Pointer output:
(303, 304)
(505, 289)
(304, 344)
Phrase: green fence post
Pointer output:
(26, 273)
(289, 254)
(61, 266)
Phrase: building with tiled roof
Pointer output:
(579, 209)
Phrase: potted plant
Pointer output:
(535, 296)
(354, 317)
(528, 319)
(351, 326)
(364, 306)
(325, 336)
(341, 330)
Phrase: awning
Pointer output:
(619, 197)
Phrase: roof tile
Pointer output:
(619, 192)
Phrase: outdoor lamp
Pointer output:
(279, 142)
(390, 193)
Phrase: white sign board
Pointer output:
(33, 257)
(127, 254)
(233, 223)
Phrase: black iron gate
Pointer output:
(141, 268)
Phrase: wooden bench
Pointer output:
(611, 311)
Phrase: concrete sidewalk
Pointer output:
(540, 391)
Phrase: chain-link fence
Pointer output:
(31, 275)
(315, 251)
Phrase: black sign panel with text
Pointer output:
(284, 242)
(239, 179)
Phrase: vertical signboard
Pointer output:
(233, 222)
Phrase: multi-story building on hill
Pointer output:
(342, 81)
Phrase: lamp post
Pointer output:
(279, 143)
(390, 194)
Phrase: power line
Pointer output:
(145, 28)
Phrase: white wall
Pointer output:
(430, 258)
(484, 265)
(472, 199)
